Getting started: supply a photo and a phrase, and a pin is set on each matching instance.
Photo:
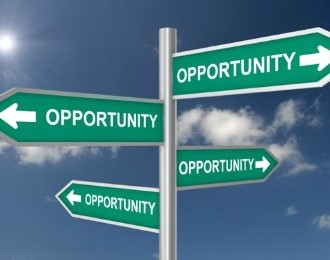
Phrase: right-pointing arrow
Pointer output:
(322, 58)
(264, 164)
(72, 198)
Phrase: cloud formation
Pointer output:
(221, 127)
(3, 146)
(215, 126)
(322, 222)
(53, 155)
(245, 127)
(40, 155)
(289, 154)
(291, 211)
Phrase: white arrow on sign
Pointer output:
(11, 116)
(264, 164)
(72, 198)
(322, 58)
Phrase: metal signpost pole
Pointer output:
(167, 151)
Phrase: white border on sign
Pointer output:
(320, 83)
(214, 185)
(108, 185)
(13, 91)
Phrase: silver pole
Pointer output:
(167, 152)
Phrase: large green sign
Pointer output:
(211, 167)
(36, 117)
(128, 206)
(282, 62)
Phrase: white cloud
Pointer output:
(292, 112)
(287, 150)
(291, 211)
(220, 127)
(42, 155)
(227, 127)
(114, 151)
(301, 167)
(288, 114)
(322, 222)
(155, 255)
(313, 118)
(187, 124)
(246, 128)
(290, 156)
(3, 146)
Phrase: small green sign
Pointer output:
(281, 62)
(211, 167)
(128, 206)
(40, 117)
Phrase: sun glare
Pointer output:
(7, 43)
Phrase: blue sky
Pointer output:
(110, 47)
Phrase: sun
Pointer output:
(7, 43)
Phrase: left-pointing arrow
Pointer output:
(72, 198)
(12, 116)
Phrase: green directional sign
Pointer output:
(211, 167)
(39, 117)
(282, 62)
(128, 206)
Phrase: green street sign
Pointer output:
(41, 117)
(127, 206)
(282, 62)
(205, 167)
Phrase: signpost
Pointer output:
(205, 167)
(128, 206)
(40, 117)
(282, 62)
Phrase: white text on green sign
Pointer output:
(281, 62)
(39, 117)
(211, 167)
(128, 206)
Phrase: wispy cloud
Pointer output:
(3, 146)
(221, 127)
(292, 112)
(155, 255)
(114, 151)
(322, 222)
(245, 127)
(287, 115)
(50, 199)
(291, 211)
(290, 155)
(41, 155)
(155, 50)
(53, 155)
(188, 124)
